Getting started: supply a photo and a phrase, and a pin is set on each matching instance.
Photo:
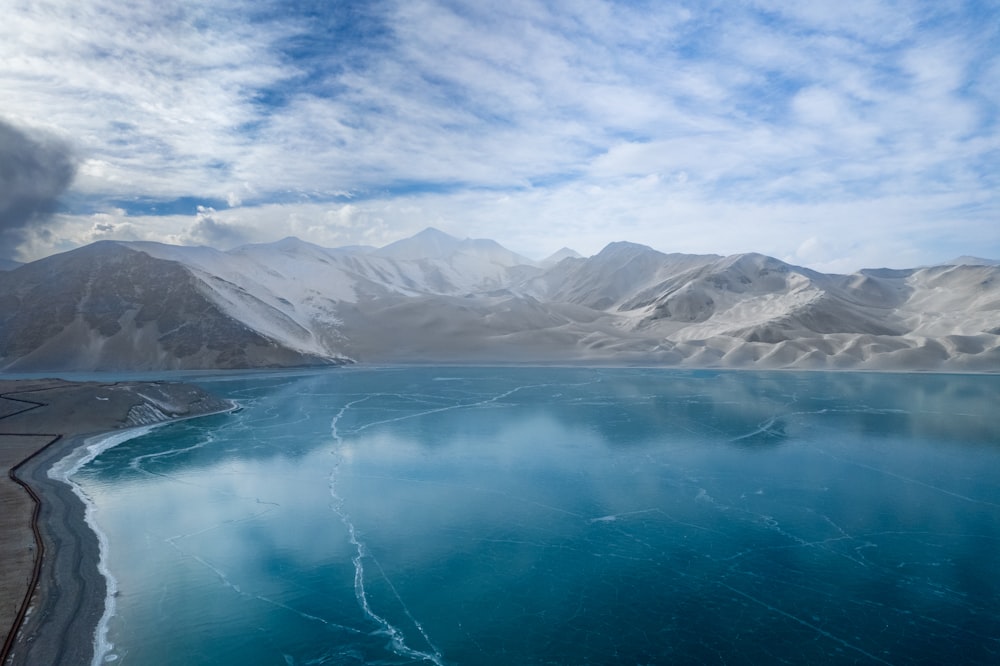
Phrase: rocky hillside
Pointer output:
(435, 298)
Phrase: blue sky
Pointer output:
(837, 135)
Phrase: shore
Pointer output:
(53, 594)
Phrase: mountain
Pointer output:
(433, 245)
(966, 260)
(435, 298)
(611, 277)
(9, 265)
(109, 306)
(559, 255)
(428, 244)
(453, 266)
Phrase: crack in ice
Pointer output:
(396, 636)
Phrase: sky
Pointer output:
(835, 135)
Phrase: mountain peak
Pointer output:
(286, 244)
(433, 232)
(430, 243)
(966, 260)
(623, 249)
(559, 255)
(120, 305)
(290, 241)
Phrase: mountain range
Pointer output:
(121, 306)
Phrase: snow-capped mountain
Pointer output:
(966, 260)
(559, 255)
(436, 298)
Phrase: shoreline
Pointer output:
(61, 471)
(59, 424)
(66, 594)
(70, 591)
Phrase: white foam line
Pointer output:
(238, 590)
(396, 637)
(478, 403)
(211, 488)
(810, 625)
(398, 640)
(135, 462)
(63, 470)
(764, 428)
(613, 517)
(406, 609)
(918, 482)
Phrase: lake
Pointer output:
(462, 515)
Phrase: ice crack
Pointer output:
(396, 636)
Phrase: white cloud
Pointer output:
(208, 229)
(662, 213)
(750, 126)
(153, 93)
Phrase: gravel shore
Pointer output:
(53, 594)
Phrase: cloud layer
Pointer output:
(35, 170)
(844, 135)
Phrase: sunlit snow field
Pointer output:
(560, 515)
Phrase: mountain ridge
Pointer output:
(137, 305)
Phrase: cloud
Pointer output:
(207, 229)
(161, 96)
(664, 213)
(682, 116)
(35, 169)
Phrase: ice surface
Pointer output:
(497, 516)
(64, 470)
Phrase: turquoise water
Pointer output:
(560, 516)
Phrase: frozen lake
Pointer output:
(561, 515)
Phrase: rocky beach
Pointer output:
(52, 589)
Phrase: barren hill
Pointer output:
(436, 298)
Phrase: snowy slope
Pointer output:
(109, 306)
(437, 298)
(436, 262)
(612, 277)
(559, 255)
(287, 292)
(966, 260)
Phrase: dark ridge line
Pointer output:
(36, 571)
(34, 405)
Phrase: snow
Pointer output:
(434, 297)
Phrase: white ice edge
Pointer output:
(63, 470)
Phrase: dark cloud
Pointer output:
(35, 169)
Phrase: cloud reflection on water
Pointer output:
(650, 514)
